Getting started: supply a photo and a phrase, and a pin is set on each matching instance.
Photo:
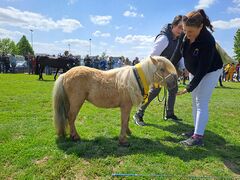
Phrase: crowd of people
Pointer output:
(231, 72)
(108, 62)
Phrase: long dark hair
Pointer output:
(177, 19)
(197, 18)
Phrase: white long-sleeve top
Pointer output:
(159, 45)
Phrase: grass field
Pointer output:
(29, 148)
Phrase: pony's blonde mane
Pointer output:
(125, 79)
(126, 83)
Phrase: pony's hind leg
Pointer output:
(72, 115)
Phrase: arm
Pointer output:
(177, 55)
(159, 45)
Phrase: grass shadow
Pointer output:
(102, 147)
(215, 144)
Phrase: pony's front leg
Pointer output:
(129, 133)
(125, 113)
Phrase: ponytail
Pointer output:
(206, 21)
(197, 18)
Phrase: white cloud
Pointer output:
(117, 27)
(100, 34)
(139, 39)
(233, 23)
(236, 8)
(76, 42)
(237, 2)
(30, 20)
(103, 43)
(132, 12)
(132, 8)
(233, 9)
(4, 33)
(77, 47)
(71, 2)
(204, 4)
(100, 20)
(49, 48)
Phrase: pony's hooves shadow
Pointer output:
(125, 144)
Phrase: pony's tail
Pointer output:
(60, 107)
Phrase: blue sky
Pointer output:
(117, 27)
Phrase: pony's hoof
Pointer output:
(129, 133)
(124, 144)
(75, 138)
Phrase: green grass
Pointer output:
(30, 149)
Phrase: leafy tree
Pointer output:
(7, 46)
(103, 55)
(237, 45)
(24, 48)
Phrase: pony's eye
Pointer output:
(162, 69)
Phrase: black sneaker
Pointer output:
(192, 142)
(173, 117)
(138, 120)
(188, 134)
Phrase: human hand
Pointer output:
(184, 91)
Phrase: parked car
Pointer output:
(21, 66)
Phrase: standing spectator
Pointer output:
(204, 63)
(231, 71)
(164, 45)
(96, 62)
(103, 64)
(110, 62)
(33, 65)
(135, 61)
(127, 62)
(29, 63)
(226, 71)
(120, 62)
(13, 62)
(87, 61)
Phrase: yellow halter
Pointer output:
(143, 81)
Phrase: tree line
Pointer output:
(23, 47)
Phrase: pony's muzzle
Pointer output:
(171, 81)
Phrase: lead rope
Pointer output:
(164, 98)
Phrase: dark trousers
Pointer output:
(152, 94)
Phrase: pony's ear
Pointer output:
(154, 61)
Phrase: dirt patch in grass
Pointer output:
(42, 161)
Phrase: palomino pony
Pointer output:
(107, 89)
